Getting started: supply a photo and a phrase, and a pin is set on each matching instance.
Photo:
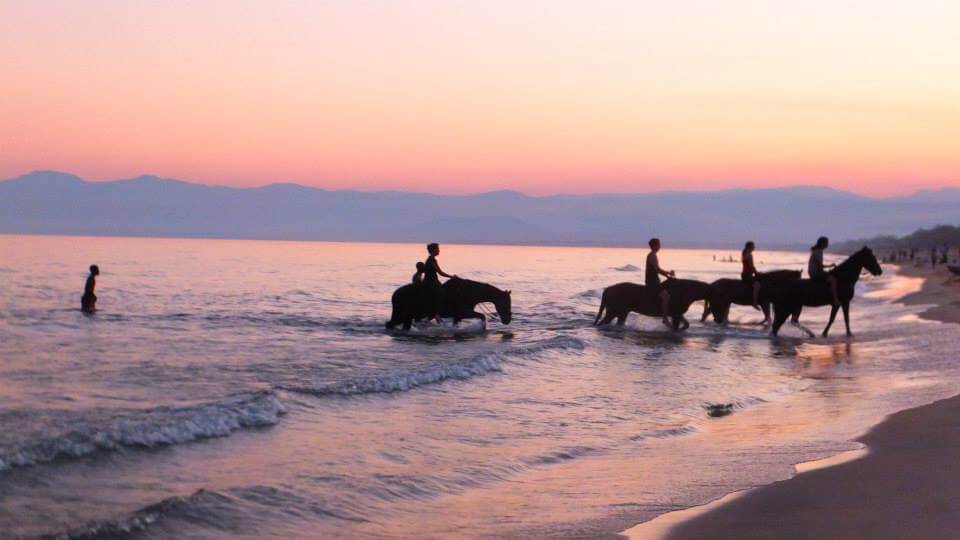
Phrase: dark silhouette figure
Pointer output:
(88, 302)
(732, 291)
(817, 271)
(458, 299)
(620, 299)
(418, 276)
(749, 273)
(652, 280)
(431, 277)
(790, 298)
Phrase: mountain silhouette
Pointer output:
(50, 202)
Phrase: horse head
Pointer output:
(868, 260)
(503, 305)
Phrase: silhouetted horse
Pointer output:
(790, 298)
(458, 299)
(620, 299)
(733, 291)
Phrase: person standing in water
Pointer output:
(431, 279)
(749, 273)
(652, 279)
(88, 302)
(818, 271)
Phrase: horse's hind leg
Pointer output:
(780, 315)
(766, 313)
(846, 317)
(833, 315)
(622, 319)
(706, 310)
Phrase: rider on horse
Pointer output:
(818, 271)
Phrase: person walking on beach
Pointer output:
(88, 302)
(818, 271)
(749, 273)
(431, 279)
(652, 279)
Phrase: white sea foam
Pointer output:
(435, 373)
(156, 427)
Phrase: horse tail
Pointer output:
(603, 306)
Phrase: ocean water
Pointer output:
(249, 389)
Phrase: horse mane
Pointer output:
(474, 284)
(849, 261)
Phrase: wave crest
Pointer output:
(161, 426)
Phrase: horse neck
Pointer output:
(482, 292)
(849, 270)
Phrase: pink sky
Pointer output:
(460, 97)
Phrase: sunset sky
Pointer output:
(461, 97)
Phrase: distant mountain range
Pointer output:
(48, 202)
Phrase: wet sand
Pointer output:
(941, 290)
(906, 486)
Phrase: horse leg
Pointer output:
(407, 323)
(477, 315)
(621, 319)
(766, 313)
(846, 317)
(780, 315)
(706, 310)
(833, 315)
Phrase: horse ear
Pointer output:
(509, 292)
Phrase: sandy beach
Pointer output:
(904, 486)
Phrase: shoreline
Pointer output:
(901, 484)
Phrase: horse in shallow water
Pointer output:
(458, 299)
(620, 299)
(790, 298)
(734, 291)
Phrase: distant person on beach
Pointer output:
(818, 271)
(88, 302)
(431, 279)
(418, 276)
(749, 273)
(652, 279)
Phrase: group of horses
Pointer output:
(783, 289)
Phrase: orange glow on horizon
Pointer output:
(541, 97)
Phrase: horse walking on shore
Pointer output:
(790, 298)
(729, 291)
(458, 300)
(620, 299)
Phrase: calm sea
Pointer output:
(248, 389)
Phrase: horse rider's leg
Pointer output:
(833, 290)
(846, 317)
(833, 315)
(665, 306)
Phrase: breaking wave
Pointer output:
(456, 370)
(161, 426)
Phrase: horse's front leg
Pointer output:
(846, 317)
(478, 315)
(706, 311)
(833, 315)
